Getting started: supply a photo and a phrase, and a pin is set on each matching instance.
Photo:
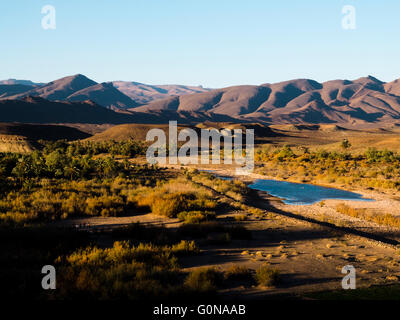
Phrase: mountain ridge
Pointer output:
(112, 94)
(362, 101)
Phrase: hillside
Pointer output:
(112, 95)
(124, 132)
(72, 88)
(41, 132)
(22, 138)
(23, 82)
(143, 93)
(104, 94)
(39, 110)
(9, 90)
(362, 101)
(138, 131)
(59, 89)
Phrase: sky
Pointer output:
(213, 43)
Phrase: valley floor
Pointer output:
(309, 244)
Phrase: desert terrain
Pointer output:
(307, 245)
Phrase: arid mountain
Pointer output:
(139, 131)
(59, 89)
(393, 87)
(144, 93)
(39, 110)
(35, 132)
(124, 132)
(104, 94)
(23, 82)
(365, 100)
(22, 138)
(113, 95)
(76, 88)
(8, 90)
(361, 102)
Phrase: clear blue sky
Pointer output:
(214, 43)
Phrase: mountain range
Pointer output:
(112, 95)
(365, 100)
(79, 99)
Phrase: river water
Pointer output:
(301, 193)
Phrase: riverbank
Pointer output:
(296, 240)
(326, 210)
(385, 202)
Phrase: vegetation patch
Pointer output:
(196, 216)
(126, 271)
(386, 219)
(203, 280)
(267, 276)
(176, 196)
(374, 168)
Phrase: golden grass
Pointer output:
(176, 196)
(267, 276)
(386, 219)
(379, 169)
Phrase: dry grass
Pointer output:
(176, 196)
(196, 216)
(267, 276)
(383, 219)
(203, 280)
(240, 217)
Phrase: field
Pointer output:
(115, 227)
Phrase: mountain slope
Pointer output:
(143, 93)
(393, 87)
(361, 101)
(23, 82)
(104, 94)
(34, 132)
(117, 94)
(39, 110)
(7, 90)
(364, 100)
(59, 89)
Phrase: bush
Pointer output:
(132, 272)
(170, 205)
(202, 280)
(185, 248)
(196, 216)
(240, 217)
(386, 219)
(176, 196)
(267, 276)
